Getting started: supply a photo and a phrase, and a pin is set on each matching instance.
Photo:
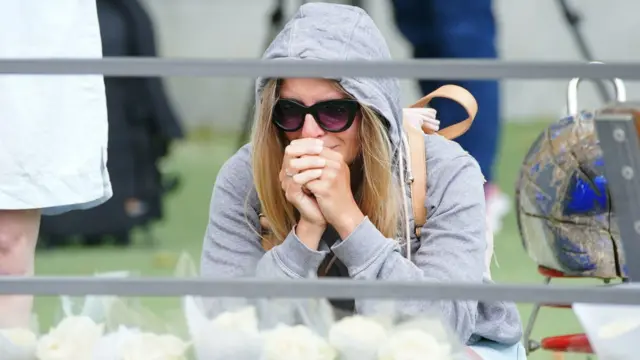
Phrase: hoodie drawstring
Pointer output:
(404, 149)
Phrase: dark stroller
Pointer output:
(142, 126)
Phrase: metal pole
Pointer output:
(573, 19)
(261, 288)
(618, 138)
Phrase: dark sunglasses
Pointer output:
(332, 115)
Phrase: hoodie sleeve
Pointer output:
(451, 247)
(232, 245)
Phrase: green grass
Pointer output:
(186, 219)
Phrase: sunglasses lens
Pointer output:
(288, 115)
(334, 115)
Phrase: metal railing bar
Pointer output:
(413, 68)
(317, 288)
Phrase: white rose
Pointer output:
(19, 337)
(295, 343)
(73, 339)
(232, 334)
(414, 344)
(357, 337)
(244, 320)
(148, 346)
(109, 347)
(18, 344)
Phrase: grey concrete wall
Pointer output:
(529, 30)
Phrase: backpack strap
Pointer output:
(460, 95)
(417, 152)
(418, 163)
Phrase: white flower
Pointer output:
(230, 335)
(357, 337)
(243, 320)
(73, 339)
(414, 344)
(109, 347)
(19, 337)
(18, 344)
(149, 346)
(295, 343)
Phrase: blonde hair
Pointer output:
(378, 195)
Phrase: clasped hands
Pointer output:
(317, 181)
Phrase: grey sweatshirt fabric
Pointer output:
(452, 245)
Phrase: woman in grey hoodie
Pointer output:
(327, 169)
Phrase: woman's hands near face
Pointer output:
(332, 191)
(326, 176)
(299, 166)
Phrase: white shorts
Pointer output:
(53, 129)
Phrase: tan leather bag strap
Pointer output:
(417, 152)
(460, 95)
(418, 164)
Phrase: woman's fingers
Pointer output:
(306, 162)
(300, 147)
(296, 149)
(306, 176)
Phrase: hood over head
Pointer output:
(323, 31)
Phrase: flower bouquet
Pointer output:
(220, 328)
(386, 338)
(612, 329)
(134, 344)
(252, 332)
(19, 343)
(135, 333)
(260, 329)
(75, 337)
(95, 328)
(300, 329)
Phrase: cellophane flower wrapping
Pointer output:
(256, 329)
(297, 329)
(422, 337)
(219, 328)
(229, 334)
(80, 327)
(109, 328)
(387, 332)
(263, 329)
(19, 343)
(135, 333)
(613, 330)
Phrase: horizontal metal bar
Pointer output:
(414, 68)
(317, 288)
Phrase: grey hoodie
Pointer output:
(452, 244)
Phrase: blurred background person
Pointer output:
(460, 29)
(53, 132)
(142, 125)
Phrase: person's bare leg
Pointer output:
(18, 237)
